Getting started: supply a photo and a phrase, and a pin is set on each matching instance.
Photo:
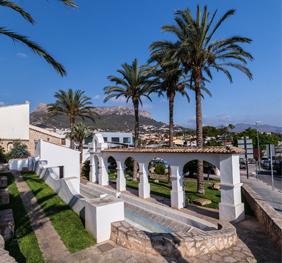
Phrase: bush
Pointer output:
(3, 156)
(86, 170)
(160, 169)
(19, 150)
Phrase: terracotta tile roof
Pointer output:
(209, 149)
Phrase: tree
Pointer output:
(200, 55)
(25, 40)
(169, 81)
(3, 156)
(78, 134)
(19, 150)
(73, 104)
(134, 84)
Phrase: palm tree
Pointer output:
(134, 84)
(78, 134)
(25, 40)
(199, 54)
(168, 80)
(73, 104)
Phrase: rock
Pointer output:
(156, 181)
(201, 201)
(3, 181)
(7, 223)
(4, 197)
(215, 186)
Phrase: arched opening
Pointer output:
(85, 170)
(112, 169)
(131, 173)
(211, 181)
(158, 169)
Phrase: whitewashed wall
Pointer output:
(14, 122)
(56, 155)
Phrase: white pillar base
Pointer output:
(177, 194)
(103, 177)
(177, 199)
(121, 181)
(231, 213)
(143, 186)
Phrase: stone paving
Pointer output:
(49, 241)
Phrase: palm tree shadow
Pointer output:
(166, 244)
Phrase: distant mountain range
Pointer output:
(117, 118)
(262, 128)
(121, 118)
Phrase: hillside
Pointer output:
(109, 118)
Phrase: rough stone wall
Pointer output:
(265, 214)
(33, 137)
(179, 244)
(8, 144)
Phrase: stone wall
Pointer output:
(177, 244)
(34, 136)
(265, 214)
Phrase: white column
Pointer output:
(231, 207)
(177, 194)
(143, 186)
(121, 182)
(103, 177)
(93, 169)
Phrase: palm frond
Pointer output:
(18, 9)
(36, 48)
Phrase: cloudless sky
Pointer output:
(93, 40)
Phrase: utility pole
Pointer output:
(246, 156)
(257, 122)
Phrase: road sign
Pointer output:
(270, 150)
(247, 145)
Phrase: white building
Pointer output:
(14, 122)
(118, 137)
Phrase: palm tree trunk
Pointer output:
(136, 135)
(80, 156)
(171, 122)
(199, 134)
(72, 121)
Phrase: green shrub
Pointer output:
(86, 169)
(19, 150)
(3, 156)
(160, 168)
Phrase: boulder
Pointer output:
(201, 201)
(215, 186)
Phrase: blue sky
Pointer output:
(93, 40)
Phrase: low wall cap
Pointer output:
(208, 149)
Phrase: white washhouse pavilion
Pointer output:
(226, 159)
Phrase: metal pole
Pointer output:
(258, 147)
(246, 156)
(271, 167)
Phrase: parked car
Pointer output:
(242, 163)
(265, 163)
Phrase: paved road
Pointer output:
(265, 176)
(272, 197)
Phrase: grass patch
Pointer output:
(66, 222)
(163, 189)
(23, 247)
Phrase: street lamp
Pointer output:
(257, 123)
